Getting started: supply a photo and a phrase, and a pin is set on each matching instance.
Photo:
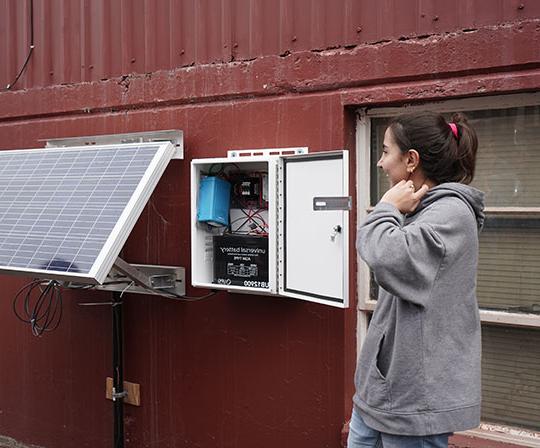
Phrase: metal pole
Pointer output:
(118, 370)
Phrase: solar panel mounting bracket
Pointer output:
(168, 281)
(176, 137)
(133, 273)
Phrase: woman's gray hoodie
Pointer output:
(419, 368)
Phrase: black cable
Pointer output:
(31, 50)
(238, 229)
(79, 286)
(191, 298)
(172, 294)
(161, 292)
(216, 173)
(250, 217)
(169, 294)
(41, 306)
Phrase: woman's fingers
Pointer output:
(417, 196)
(404, 197)
(421, 192)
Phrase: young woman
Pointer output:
(418, 376)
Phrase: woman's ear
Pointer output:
(413, 160)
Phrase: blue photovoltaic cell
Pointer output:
(58, 207)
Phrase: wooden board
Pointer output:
(133, 392)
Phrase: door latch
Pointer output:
(335, 230)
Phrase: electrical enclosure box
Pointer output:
(288, 231)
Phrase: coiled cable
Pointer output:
(39, 304)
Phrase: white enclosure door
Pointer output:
(314, 227)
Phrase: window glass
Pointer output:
(379, 182)
(509, 264)
(511, 376)
(508, 159)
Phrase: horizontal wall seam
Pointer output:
(371, 95)
(275, 93)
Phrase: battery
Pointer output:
(241, 260)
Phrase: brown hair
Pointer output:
(443, 156)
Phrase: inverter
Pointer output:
(241, 260)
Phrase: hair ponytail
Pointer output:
(444, 157)
(467, 145)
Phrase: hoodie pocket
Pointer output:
(371, 384)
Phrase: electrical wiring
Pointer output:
(253, 219)
(190, 298)
(256, 216)
(161, 292)
(169, 294)
(39, 304)
(30, 51)
(78, 286)
(247, 219)
(211, 171)
(221, 171)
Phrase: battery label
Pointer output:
(241, 261)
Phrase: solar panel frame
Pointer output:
(134, 208)
(129, 215)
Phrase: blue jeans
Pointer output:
(361, 436)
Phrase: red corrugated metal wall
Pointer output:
(90, 40)
(236, 370)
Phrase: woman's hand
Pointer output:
(403, 197)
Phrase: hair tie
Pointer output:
(453, 127)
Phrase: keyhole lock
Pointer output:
(335, 230)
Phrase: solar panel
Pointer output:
(65, 213)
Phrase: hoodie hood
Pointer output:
(473, 197)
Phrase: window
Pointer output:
(508, 171)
